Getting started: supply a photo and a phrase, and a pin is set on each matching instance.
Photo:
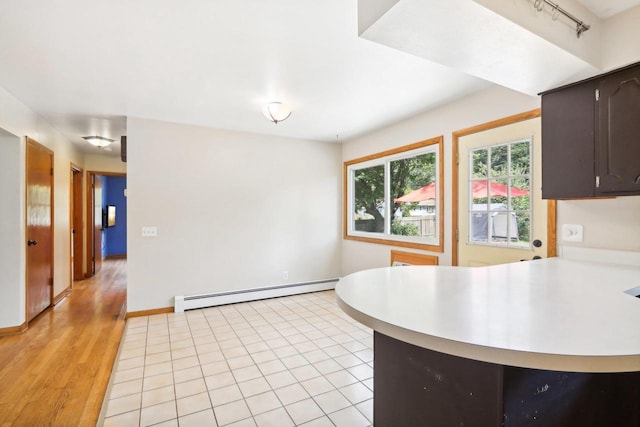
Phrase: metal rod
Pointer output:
(581, 27)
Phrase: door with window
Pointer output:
(501, 216)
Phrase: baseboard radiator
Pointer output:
(191, 302)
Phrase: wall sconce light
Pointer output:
(276, 111)
(98, 141)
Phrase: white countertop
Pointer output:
(551, 314)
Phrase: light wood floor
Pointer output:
(56, 373)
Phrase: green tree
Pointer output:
(406, 175)
(404, 229)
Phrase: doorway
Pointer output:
(498, 212)
(98, 220)
(77, 230)
(39, 213)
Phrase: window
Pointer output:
(395, 197)
(499, 185)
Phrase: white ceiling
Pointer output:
(607, 8)
(481, 44)
(85, 65)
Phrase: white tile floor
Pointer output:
(291, 361)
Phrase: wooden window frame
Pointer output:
(411, 258)
(389, 239)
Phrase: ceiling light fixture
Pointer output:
(276, 111)
(98, 141)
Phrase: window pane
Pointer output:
(520, 188)
(479, 163)
(520, 158)
(369, 199)
(523, 231)
(498, 192)
(502, 226)
(413, 195)
(479, 225)
(499, 160)
(479, 191)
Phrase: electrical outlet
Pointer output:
(285, 275)
(149, 231)
(572, 233)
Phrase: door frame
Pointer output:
(89, 215)
(76, 202)
(455, 136)
(37, 145)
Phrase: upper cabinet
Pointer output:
(591, 137)
(618, 133)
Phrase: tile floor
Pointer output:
(291, 361)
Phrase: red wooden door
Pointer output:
(39, 228)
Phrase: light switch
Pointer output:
(149, 231)
(572, 233)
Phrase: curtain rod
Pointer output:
(581, 27)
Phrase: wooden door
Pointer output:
(499, 213)
(39, 238)
(77, 252)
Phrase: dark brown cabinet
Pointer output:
(591, 137)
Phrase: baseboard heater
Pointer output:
(191, 302)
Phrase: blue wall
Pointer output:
(115, 238)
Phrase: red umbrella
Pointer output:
(423, 193)
(479, 191)
(496, 189)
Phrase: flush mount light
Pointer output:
(276, 111)
(98, 141)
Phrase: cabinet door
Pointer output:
(618, 129)
(568, 141)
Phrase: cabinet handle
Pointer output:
(637, 181)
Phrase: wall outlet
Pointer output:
(149, 231)
(285, 275)
(572, 233)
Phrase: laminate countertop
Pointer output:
(553, 314)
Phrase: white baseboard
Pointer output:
(190, 302)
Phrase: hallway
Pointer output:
(56, 372)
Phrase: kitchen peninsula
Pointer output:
(551, 342)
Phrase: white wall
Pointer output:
(481, 107)
(608, 223)
(560, 32)
(620, 39)
(18, 120)
(112, 164)
(12, 296)
(233, 211)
